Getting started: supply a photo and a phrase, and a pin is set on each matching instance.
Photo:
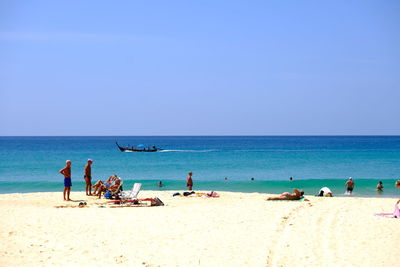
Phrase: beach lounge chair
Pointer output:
(131, 195)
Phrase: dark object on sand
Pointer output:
(188, 193)
(138, 148)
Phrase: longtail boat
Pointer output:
(139, 148)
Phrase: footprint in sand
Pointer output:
(120, 259)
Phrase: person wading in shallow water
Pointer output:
(67, 179)
(189, 182)
(349, 186)
(379, 186)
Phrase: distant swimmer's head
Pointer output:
(90, 160)
(190, 173)
(68, 162)
(398, 183)
(380, 182)
(350, 178)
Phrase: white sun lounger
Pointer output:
(131, 195)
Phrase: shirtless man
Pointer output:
(87, 175)
(189, 182)
(287, 196)
(349, 186)
(379, 186)
(66, 171)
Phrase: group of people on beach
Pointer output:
(379, 187)
(112, 184)
(66, 171)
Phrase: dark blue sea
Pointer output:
(31, 164)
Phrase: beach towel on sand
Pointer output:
(302, 198)
(395, 214)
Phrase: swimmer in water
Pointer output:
(379, 187)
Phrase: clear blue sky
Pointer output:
(199, 67)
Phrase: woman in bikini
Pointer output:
(287, 196)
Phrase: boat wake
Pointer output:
(191, 151)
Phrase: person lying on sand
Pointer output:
(287, 196)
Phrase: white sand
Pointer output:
(237, 229)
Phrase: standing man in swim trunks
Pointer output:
(349, 186)
(67, 179)
(87, 175)
(189, 182)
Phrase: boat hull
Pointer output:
(125, 149)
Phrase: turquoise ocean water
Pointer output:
(31, 164)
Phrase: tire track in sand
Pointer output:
(279, 240)
(307, 235)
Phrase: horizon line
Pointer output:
(233, 135)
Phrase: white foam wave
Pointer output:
(191, 151)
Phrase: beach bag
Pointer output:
(107, 195)
(157, 202)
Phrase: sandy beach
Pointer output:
(236, 229)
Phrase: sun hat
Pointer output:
(350, 178)
(90, 160)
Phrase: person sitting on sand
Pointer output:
(287, 196)
(325, 192)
